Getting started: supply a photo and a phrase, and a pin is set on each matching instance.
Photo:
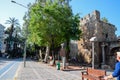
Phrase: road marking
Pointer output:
(5, 67)
(7, 70)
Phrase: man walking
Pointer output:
(62, 54)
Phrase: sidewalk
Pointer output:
(41, 71)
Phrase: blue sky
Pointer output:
(108, 8)
(9, 9)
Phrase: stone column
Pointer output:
(103, 53)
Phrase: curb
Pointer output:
(18, 70)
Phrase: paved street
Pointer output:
(8, 68)
(3, 62)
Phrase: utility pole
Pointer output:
(25, 44)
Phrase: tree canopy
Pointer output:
(51, 22)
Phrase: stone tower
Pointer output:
(92, 26)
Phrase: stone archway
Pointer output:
(111, 59)
(114, 49)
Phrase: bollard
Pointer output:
(58, 65)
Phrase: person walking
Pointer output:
(116, 72)
(62, 54)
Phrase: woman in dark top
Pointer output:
(116, 72)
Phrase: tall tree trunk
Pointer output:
(67, 50)
(47, 53)
(53, 53)
(40, 54)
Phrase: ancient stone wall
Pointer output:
(92, 26)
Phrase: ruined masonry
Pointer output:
(105, 44)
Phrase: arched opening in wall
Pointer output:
(111, 59)
(100, 52)
(106, 48)
(106, 35)
(113, 50)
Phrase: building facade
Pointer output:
(2, 45)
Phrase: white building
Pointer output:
(2, 45)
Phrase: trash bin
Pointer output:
(58, 65)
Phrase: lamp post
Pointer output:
(93, 39)
(24, 57)
(19, 4)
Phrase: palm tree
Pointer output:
(13, 23)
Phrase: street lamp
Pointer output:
(19, 4)
(24, 58)
(93, 39)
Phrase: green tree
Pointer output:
(52, 23)
(13, 32)
(13, 22)
(104, 19)
(73, 33)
